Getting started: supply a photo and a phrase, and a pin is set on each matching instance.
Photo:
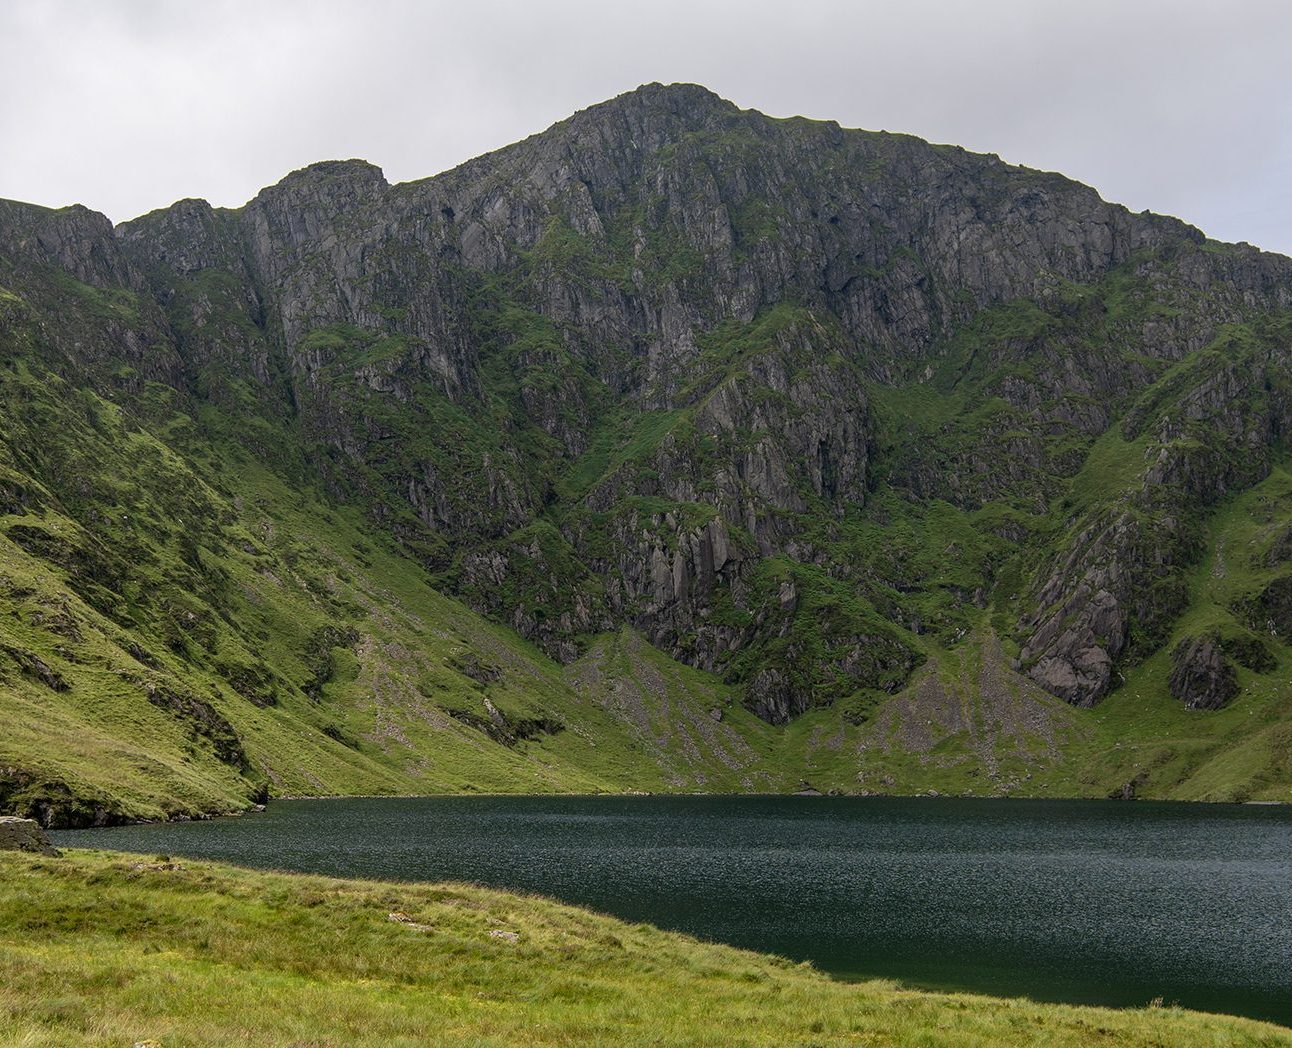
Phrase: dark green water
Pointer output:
(1084, 901)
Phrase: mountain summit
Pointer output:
(738, 421)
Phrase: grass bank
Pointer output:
(99, 948)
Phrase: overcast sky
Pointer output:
(1183, 107)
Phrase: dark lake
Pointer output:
(1085, 901)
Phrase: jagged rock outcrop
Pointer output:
(76, 240)
(74, 291)
(196, 263)
(1270, 609)
(1201, 677)
(1214, 434)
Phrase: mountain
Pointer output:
(676, 447)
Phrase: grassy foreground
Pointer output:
(100, 948)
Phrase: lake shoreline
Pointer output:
(200, 952)
(934, 891)
(867, 795)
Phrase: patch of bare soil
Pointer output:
(661, 711)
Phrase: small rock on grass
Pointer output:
(400, 917)
(25, 835)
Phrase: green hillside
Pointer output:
(103, 949)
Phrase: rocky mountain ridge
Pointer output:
(804, 406)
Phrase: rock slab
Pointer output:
(1201, 677)
(24, 835)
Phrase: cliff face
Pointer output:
(796, 402)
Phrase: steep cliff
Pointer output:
(807, 408)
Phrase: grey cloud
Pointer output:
(126, 106)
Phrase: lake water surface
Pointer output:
(1085, 901)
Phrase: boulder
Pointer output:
(1201, 677)
(24, 835)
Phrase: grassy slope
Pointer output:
(104, 949)
(380, 724)
(634, 718)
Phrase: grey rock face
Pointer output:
(75, 239)
(24, 835)
(1080, 627)
(771, 696)
(1201, 677)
